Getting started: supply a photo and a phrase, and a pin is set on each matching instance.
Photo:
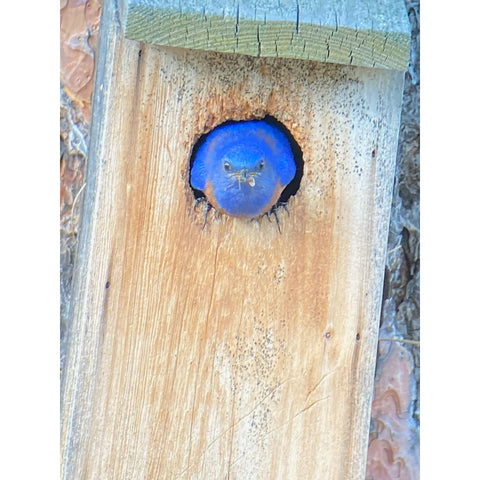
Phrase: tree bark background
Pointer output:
(394, 437)
(394, 434)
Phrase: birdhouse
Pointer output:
(208, 344)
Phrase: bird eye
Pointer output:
(261, 165)
(227, 166)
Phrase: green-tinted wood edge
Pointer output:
(386, 44)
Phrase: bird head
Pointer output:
(243, 167)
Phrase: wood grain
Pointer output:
(232, 351)
(371, 33)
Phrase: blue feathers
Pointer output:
(243, 167)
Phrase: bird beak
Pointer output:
(245, 176)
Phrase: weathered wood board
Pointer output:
(232, 351)
(371, 33)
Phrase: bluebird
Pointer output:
(243, 167)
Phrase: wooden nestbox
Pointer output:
(232, 351)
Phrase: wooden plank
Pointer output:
(371, 33)
(232, 351)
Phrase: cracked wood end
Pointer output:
(372, 33)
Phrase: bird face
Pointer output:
(245, 183)
(243, 174)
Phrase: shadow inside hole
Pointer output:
(292, 188)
